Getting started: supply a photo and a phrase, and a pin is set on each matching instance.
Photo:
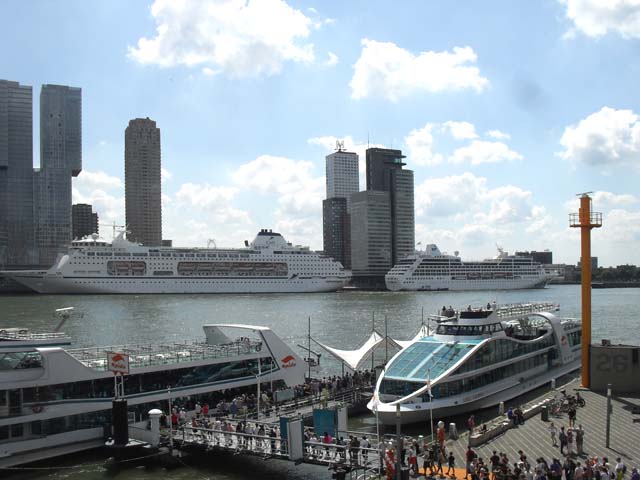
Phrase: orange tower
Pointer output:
(585, 219)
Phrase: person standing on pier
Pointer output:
(563, 439)
(579, 432)
(553, 431)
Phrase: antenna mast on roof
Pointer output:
(340, 146)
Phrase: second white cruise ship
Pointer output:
(432, 270)
(268, 265)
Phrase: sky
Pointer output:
(505, 110)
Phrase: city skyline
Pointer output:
(504, 113)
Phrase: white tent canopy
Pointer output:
(353, 358)
(423, 331)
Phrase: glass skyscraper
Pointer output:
(60, 160)
(17, 246)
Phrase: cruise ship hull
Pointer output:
(419, 412)
(56, 284)
(417, 284)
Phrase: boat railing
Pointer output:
(150, 355)
(22, 334)
(514, 310)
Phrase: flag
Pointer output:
(429, 383)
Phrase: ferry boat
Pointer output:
(268, 265)
(433, 270)
(55, 400)
(476, 359)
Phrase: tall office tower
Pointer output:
(143, 195)
(342, 181)
(336, 230)
(17, 246)
(84, 220)
(342, 174)
(385, 173)
(371, 256)
(60, 160)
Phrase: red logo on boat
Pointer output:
(288, 361)
(117, 358)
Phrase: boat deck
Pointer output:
(149, 355)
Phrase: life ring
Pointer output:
(36, 408)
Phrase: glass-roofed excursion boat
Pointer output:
(476, 359)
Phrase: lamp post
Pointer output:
(170, 418)
(608, 429)
(398, 445)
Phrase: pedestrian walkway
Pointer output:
(534, 439)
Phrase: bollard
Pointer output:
(553, 384)
(453, 431)
(154, 417)
(501, 408)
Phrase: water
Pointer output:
(340, 319)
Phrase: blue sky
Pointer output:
(504, 109)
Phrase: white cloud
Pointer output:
(328, 142)
(482, 151)
(607, 137)
(205, 195)
(331, 60)
(595, 18)
(508, 204)
(209, 72)
(602, 201)
(389, 71)
(97, 180)
(165, 174)
(240, 37)
(300, 193)
(447, 196)
(461, 130)
(498, 134)
(419, 143)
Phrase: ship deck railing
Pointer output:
(145, 355)
(516, 309)
(12, 334)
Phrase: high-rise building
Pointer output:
(371, 256)
(336, 230)
(384, 175)
(84, 220)
(342, 174)
(143, 194)
(17, 247)
(380, 163)
(342, 181)
(60, 160)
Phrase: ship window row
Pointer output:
(501, 350)
(21, 401)
(575, 337)
(53, 426)
(468, 330)
(457, 387)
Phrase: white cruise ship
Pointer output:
(476, 359)
(55, 400)
(432, 270)
(268, 265)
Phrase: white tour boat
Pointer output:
(56, 401)
(475, 359)
(268, 265)
(433, 270)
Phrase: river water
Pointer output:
(341, 319)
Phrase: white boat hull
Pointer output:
(418, 284)
(419, 412)
(57, 284)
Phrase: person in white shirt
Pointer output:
(621, 469)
